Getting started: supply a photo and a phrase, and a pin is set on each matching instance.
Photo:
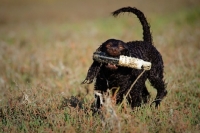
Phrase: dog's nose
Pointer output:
(114, 50)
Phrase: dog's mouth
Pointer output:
(111, 66)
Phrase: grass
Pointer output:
(43, 63)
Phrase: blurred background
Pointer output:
(48, 11)
(46, 48)
(51, 41)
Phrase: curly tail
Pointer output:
(146, 27)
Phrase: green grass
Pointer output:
(44, 63)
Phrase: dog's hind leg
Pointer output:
(156, 80)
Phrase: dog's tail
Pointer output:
(146, 27)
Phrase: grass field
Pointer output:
(46, 49)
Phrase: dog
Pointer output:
(110, 76)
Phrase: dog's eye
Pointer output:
(121, 47)
(108, 45)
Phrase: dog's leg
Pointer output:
(138, 93)
(136, 96)
(100, 87)
(156, 80)
(145, 95)
(98, 99)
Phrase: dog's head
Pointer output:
(114, 48)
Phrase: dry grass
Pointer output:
(45, 55)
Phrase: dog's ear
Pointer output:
(92, 72)
(102, 47)
(126, 50)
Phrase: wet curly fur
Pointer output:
(109, 76)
